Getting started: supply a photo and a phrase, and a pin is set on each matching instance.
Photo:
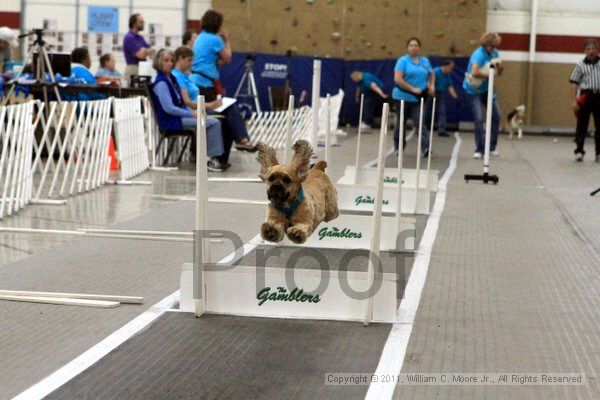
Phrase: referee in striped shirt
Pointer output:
(585, 79)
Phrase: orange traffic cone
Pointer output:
(114, 165)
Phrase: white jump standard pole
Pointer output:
(486, 177)
(201, 250)
(316, 93)
(430, 140)
(360, 113)
(418, 166)
(376, 222)
(400, 166)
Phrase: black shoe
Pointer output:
(246, 145)
(443, 134)
(214, 165)
(426, 153)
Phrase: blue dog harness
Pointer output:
(291, 209)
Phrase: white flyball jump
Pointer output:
(315, 292)
(356, 180)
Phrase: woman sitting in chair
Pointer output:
(173, 115)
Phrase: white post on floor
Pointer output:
(328, 134)
(376, 221)
(201, 205)
(430, 141)
(488, 121)
(316, 93)
(360, 113)
(289, 132)
(418, 168)
(400, 173)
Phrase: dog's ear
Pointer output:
(267, 157)
(301, 159)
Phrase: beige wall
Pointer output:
(368, 29)
(551, 98)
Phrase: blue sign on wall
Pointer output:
(103, 19)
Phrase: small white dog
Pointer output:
(515, 121)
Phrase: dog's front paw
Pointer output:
(271, 233)
(297, 235)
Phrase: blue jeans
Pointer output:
(478, 103)
(440, 110)
(412, 110)
(371, 104)
(214, 137)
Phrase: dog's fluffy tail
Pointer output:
(320, 165)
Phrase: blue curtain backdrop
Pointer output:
(271, 70)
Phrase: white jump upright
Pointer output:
(316, 99)
(289, 131)
(431, 140)
(376, 225)
(418, 166)
(416, 199)
(270, 291)
(356, 160)
(486, 177)
(201, 205)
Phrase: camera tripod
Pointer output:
(42, 66)
(248, 77)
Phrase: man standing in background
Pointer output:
(372, 87)
(135, 47)
(585, 79)
(443, 84)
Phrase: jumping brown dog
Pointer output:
(301, 197)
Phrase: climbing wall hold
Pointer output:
(439, 34)
(295, 22)
(274, 42)
(287, 8)
(336, 36)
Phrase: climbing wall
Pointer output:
(353, 29)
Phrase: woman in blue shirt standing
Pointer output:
(414, 79)
(212, 49)
(476, 86)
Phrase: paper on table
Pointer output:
(227, 101)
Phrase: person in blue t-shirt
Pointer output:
(414, 79)
(476, 86)
(443, 84)
(372, 88)
(212, 49)
(80, 73)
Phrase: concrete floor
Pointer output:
(512, 285)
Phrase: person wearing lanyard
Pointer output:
(212, 48)
(443, 84)
(372, 88)
(476, 86)
(135, 47)
(414, 79)
(173, 115)
(585, 79)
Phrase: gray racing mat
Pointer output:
(226, 357)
